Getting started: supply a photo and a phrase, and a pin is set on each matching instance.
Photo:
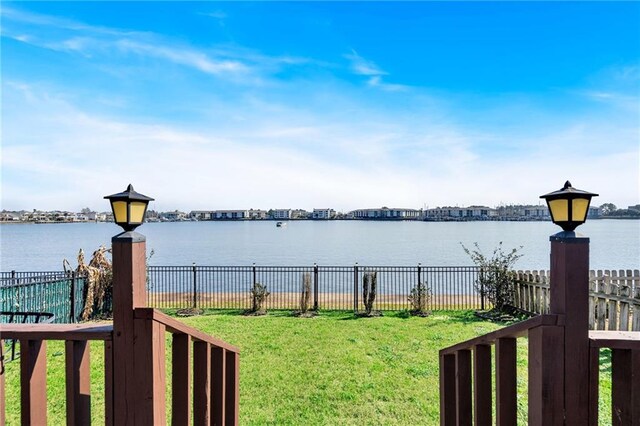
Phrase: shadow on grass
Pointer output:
(461, 317)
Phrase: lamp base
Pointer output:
(128, 237)
(569, 237)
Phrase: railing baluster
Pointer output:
(447, 389)
(33, 382)
(78, 382)
(181, 380)
(546, 376)
(594, 385)
(108, 383)
(506, 381)
(150, 372)
(232, 399)
(482, 385)
(463, 388)
(625, 387)
(218, 393)
(201, 387)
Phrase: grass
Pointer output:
(331, 369)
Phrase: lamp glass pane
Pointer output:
(580, 206)
(120, 211)
(137, 211)
(559, 210)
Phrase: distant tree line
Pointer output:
(610, 210)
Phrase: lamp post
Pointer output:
(129, 292)
(569, 296)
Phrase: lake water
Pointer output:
(615, 244)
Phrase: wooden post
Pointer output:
(482, 385)
(129, 292)
(447, 390)
(78, 382)
(546, 378)
(570, 297)
(33, 382)
(463, 388)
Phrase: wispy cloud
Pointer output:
(370, 69)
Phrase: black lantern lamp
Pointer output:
(568, 206)
(129, 208)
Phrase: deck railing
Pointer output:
(563, 357)
(212, 394)
(466, 395)
(205, 370)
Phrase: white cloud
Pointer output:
(71, 157)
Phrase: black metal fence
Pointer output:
(58, 293)
(229, 287)
(333, 287)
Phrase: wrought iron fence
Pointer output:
(229, 287)
(333, 287)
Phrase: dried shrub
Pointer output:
(99, 287)
(419, 299)
(305, 298)
(305, 295)
(369, 292)
(259, 295)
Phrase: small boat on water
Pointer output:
(281, 224)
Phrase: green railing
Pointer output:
(62, 295)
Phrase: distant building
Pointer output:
(173, 216)
(281, 214)
(299, 214)
(323, 214)
(201, 214)
(257, 214)
(230, 214)
(386, 213)
(523, 212)
(460, 213)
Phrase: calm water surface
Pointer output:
(615, 244)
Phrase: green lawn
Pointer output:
(329, 370)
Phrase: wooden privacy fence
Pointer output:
(614, 297)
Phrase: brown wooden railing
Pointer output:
(563, 357)
(214, 367)
(463, 386)
(33, 369)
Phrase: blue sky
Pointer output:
(211, 105)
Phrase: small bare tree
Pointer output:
(259, 295)
(305, 295)
(419, 299)
(496, 280)
(369, 291)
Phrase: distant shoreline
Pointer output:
(17, 222)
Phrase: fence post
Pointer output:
(13, 277)
(255, 274)
(569, 279)
(315, 287)
(195, 286)
(355, 288)
(72, 298)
